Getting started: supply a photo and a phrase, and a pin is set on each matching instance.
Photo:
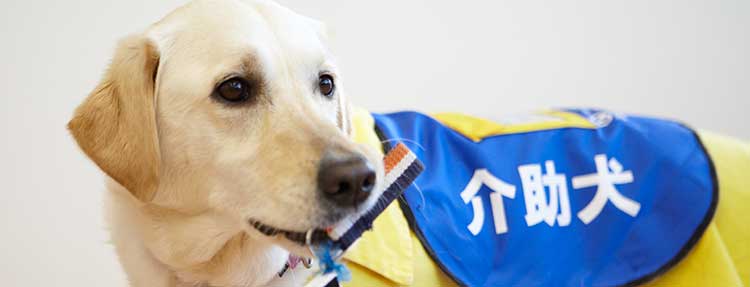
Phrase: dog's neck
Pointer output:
(191, 250)
(204, 248)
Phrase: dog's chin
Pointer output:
(295, 241)
(294, 248)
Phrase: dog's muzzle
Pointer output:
(347, 179)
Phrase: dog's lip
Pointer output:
(316, 235)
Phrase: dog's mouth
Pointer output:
(303, 238)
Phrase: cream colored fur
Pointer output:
(186, 172)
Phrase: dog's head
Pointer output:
(234, 108)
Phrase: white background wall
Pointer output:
(683, 59)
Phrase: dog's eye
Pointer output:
(326, 85)
(234, 90)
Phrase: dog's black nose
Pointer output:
(346, 180)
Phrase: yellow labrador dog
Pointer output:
(220, 122)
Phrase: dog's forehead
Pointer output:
(221, 32)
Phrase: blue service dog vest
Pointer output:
(616, 204)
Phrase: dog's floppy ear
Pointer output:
(116, 125)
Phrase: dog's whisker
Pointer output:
(406, 141)
(421, 195)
